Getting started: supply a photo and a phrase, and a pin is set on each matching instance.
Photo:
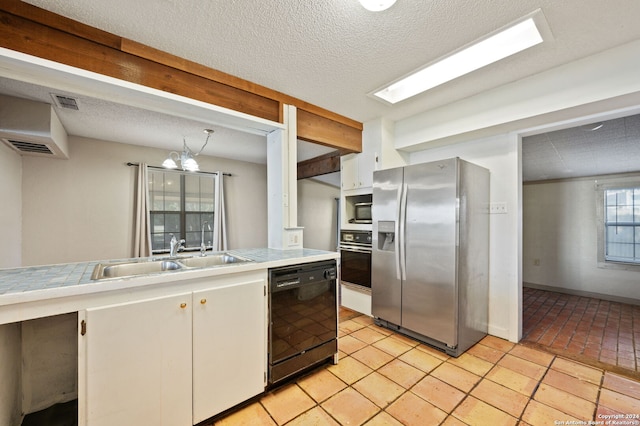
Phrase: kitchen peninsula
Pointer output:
(173, 347)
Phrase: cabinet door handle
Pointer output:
(203, 301)
(183, 305)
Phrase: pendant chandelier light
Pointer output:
(186, 157)
(377, 5)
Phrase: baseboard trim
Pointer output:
(610, 298)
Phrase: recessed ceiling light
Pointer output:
(505, 42)
(377, 5)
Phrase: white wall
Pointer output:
(499, 154)
(10, 378)
(11, 211)
(317, 214)
(49, 361)
(560, 230)
(82, 208)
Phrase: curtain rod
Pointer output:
(179, 171)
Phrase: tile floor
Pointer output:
(590, 330)
(384, 378)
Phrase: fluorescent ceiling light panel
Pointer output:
(488, 50)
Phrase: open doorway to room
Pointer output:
(581, 234)
(318, 190)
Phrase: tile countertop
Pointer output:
(37, 283)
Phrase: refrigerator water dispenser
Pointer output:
(386, 235)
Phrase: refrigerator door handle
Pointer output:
(401, 235)
(396, 239)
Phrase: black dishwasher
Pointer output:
(303, 318)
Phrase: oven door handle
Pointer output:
(357, 249)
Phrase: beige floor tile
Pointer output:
(409, 409)
(364, 320)
(567, 383)
(321, 384)
(350, 407)
(533, 355)
(382, 330)
(372, 357)
(286, 403)
(392, 346)
(250, 415)
(405, 339)
(471, 363)
(485, 352)
(622, 385)
(578, 370)
(522, 366)
(438, 393)
(383, 419)
(516, 381)
(475, 412)
(349, 326)
(452, 421)
(432, 351)
(402, 373)
(537, 413)
(456, 376)
(368, 335)
(565, 402)
(349, 344)
(621, 403)
(507, 400)
(316, 417)
(497, 343)
(379, 389)
(349, 370)
(420, 359)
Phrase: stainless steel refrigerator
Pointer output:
(430, 260)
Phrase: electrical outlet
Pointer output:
(498, 208)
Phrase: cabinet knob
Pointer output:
(203, 301)
(183, 305)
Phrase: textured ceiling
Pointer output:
(332, 53)
(587, 150)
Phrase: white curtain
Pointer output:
(142, 230)
(219, 220)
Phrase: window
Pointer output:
(622, 225)
(179, 204)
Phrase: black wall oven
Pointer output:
(303, 318)
(355, 258)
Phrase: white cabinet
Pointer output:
(135, 363)
(173, 360)
(357, 170)
(229, 347)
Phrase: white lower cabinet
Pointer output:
(172, 360)
(135, 363)
(229, 347)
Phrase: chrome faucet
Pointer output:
(175, 246)
(203, 247)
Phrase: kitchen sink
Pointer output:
(213, 260)
(129, 269)
(136, 268)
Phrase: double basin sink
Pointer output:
(154, 266)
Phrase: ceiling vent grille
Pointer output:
(30, 147)
(66, 102)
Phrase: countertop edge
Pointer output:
(289, 257)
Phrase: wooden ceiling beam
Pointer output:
(321, 165)
(37, 32)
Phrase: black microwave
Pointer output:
(362, 213)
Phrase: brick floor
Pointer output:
(584, 328)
